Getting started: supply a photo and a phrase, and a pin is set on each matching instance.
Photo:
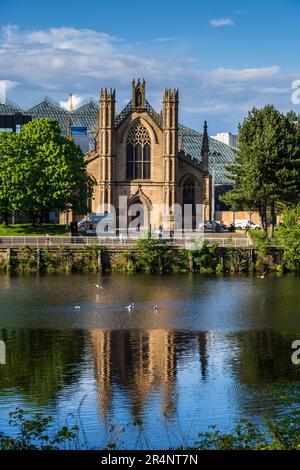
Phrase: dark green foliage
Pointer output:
(206, 258)
(26, 259)
(156, 256)
(53, 260)
(236, 260)
(151, 256)
(123, 262)
(67, 260)
(266, 168)
(288, 238)
(280, 434)
(34, 433)
(262, 245)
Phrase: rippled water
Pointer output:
(211, 354)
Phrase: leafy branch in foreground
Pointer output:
(33, 433)
(283, 434)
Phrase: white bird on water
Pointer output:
(77, 307)
(98, 286)
(130, 306)
(263, 275)
(155, 307)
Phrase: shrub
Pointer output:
(236, 260)
(33, 433)
(26, 259)
(206, 258)
(288, 237)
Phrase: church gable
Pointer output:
(138, 105)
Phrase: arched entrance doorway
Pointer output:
(138, 216)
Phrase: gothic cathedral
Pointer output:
(138, 155)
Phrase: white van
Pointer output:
(244, 224)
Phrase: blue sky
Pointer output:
(224, 57)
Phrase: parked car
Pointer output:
(224, 227)
(244, 224)
(211, 226)
(89, 225)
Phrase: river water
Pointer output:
(216, 350)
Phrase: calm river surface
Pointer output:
(211, 354)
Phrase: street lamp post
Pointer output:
(213, 196)
(212, 157)
(68, 207)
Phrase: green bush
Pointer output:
(205, 258)
(34, 433)
(26, 259)
(236, 260)
(123, 262)
(287, 237)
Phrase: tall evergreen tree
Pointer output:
(266, 167)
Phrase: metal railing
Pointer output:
(78, 242)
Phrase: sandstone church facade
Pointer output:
(139, 155)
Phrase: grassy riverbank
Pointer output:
(27, 230)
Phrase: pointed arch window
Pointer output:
(189, 193)
(138, 153)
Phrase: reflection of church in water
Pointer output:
(141, 363)
(142, 155)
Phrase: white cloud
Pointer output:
(76, 101)
(8, 84)
(62, 60)
(51, 57)
(218, 22)
(165, 39)
(243, 75)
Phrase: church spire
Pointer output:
(205, 148)
(205, 141)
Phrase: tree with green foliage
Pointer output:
(266, 166)
(288, 238)
(41, 170)
(8, 147)
(295, 119)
